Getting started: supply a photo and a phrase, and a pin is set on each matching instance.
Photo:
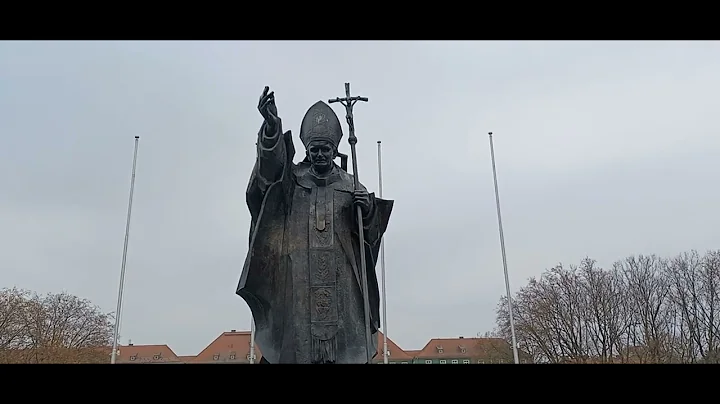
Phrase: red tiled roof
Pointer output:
(229, 347)
(413, 352)
(234, 347)
(396, 353)
(146, 354)
(465, 348)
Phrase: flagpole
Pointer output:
(502, 249)
(124, 258)
(382, 265)
(252, 340)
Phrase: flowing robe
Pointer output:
(302, 274)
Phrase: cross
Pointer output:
(348, 102)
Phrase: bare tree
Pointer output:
(533, 337)
(12, 302)
(607, 317)
(57, 328)
(648, 292)
(549, 317)
(644, 310)
(711, 294)
(495, 349)
(565, 309)
(695, 291)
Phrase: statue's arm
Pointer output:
(271, 153)
(272, 156)
(371, 222)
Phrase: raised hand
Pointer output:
(267, 108)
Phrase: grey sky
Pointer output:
(603, 149)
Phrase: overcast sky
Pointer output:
(604, 149)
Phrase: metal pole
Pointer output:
(252, 340)
(124, 256)
(382, 266)
(504, 259)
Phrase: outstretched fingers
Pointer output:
(266, 106)
(266, 100)
(262, 97)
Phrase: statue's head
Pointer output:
(321, 154)
(321, 133)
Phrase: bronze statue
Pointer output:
(303, 275)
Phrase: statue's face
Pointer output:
(321, 155)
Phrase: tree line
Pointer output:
(644, 309)
(52, 328)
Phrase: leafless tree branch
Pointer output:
(645, 309)
(54, 328)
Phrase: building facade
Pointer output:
(464, 351)
(234, 347)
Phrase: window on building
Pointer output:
(232, 357)
(443, 361)
(132, 358)
(454, 361)
(466, 361)
(428, 361)
(216, 357)
(156, 357)
(480, 361)
(439, 349)
(403, 363)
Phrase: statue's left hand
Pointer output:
(362, 199)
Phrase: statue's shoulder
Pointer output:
(300, 169)
(347, 180)
(301, 175)
(345, 176)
